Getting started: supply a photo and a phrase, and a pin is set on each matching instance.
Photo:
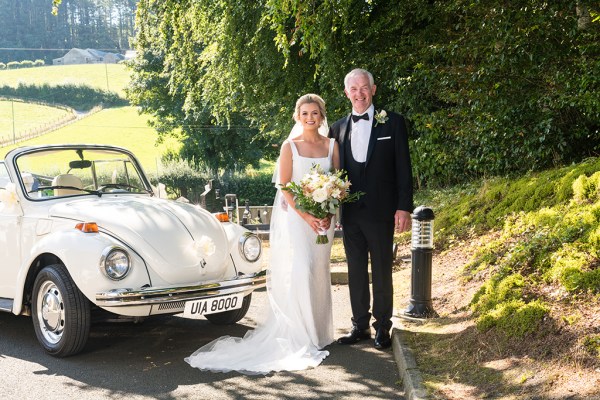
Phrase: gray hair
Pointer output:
(358, 72)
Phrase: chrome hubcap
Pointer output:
(51, 312)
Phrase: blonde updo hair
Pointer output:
(309, 99)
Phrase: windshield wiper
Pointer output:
(101, 189)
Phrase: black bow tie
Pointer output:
(356, 118)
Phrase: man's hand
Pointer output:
(402, 221)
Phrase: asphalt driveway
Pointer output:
(145, 361)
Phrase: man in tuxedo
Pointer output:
(374, 152)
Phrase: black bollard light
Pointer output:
(421, 305)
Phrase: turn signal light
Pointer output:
(222, 217)
(87, 227)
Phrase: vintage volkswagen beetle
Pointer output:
(81, 229)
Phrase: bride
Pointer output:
(299, 323)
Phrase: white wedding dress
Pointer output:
(299, 323)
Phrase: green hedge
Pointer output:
(183, 180)
(79, 97)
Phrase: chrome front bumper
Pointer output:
(160, 295)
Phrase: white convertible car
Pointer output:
(81, 228)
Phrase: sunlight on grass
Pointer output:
(27, 117)
(115, 126)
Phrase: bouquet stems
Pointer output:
(322, 237)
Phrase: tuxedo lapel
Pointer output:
(344, 134)
(344, 129)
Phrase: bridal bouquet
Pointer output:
(321, 193)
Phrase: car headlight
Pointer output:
(250, 247)
(115, 263)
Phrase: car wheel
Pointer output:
(230, 317)
(61, 313)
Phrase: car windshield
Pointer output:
(51, 173)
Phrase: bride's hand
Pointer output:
(313, 222)
(326, 222)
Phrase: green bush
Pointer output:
(496, 98)
(587, 189)
(489, 203)
(26, 64)
(497, 291)
(79, 97)
(514, 318)
(183, 179)
(258, 189)
(39, 63)
(592, 345)
(2, 66)
(13, 65)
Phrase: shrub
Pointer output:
(496, 291)
(2, 66)
(183, 179)
(26, 64)
(592, 345)
(39, 63)
(258, 189)
(13, 65)
(79, 97)
(587, 189)
(514, 318)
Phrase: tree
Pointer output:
(488, 88)
(29, 24)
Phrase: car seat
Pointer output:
(67, 180)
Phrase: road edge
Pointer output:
(407, 367)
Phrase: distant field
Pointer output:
(27, 117)
(116, 126)
(112, 77)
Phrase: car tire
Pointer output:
(231, 317)
(61, 313)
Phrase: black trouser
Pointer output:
(364, 237)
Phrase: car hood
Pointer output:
(180, 242)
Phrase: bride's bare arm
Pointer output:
(336, 156)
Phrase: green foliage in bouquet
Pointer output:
(321, 193)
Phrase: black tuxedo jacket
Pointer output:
(389, 185)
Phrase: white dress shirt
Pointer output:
(361, 133)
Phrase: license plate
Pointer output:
(198, 308)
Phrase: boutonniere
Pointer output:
(381, 117)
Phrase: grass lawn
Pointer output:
(115, 126)
(111, 77)
(27, 117)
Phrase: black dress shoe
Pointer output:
(382, 339)
(355, 336)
